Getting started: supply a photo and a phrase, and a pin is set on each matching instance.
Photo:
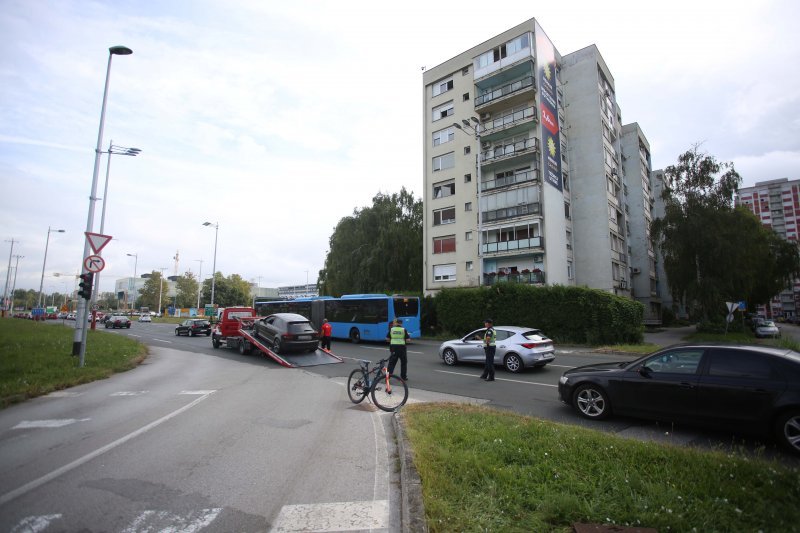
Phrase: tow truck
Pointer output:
(234, 330)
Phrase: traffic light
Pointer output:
(87, 280)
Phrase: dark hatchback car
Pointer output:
(117, 321)
(287, 332)
(754, 389)
(194, 326)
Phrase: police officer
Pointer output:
(397, 337)
(489, 348)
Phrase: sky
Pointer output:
(275, 120)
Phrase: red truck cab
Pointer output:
(226, 330)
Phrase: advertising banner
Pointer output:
(548, 107)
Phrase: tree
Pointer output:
(228, 292)
(154, 287)
(186, 287)
(377, 249)
(715, 253)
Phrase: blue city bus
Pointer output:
(353, 316)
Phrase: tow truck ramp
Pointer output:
(319, 357)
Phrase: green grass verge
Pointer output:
(35, 358)
(487, 470)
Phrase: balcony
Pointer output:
(524, 84)
(508, 151)
(505, 181)
(529, 278)
(511, 212)
(512, 246)
(508, 121)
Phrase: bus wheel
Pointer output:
(355, 336)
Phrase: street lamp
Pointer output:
(14, 286)
(133, 282)
(213, 268)
(79, 340)
(47, 244)
(476, 130)
(112, 150)
(160, 289)
(200, 282)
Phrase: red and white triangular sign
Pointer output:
(97, 241)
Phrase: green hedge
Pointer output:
(566, 314)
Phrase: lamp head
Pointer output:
(475, 120)
(465, 122)
(456, 125)
(120, 51)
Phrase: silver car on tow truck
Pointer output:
(518, 348)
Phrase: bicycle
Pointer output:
(388, 391)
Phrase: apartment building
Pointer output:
(776, 203)
(524, 176)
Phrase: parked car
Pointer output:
(145, 318)
(117, 321)
(518, 348)
(767, 328)
(71, 316)
(754, 389)
(287, 332)
(193, 326)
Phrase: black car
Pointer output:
(193, 326)
(287, 331)
(749, 388)
(117, 321)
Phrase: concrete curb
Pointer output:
(413, 507)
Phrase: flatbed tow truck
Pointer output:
(235, 330)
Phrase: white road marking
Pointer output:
(562, 366)
(499, 379)
(7, 497)
(34, 524)
(160, 340)
(386, 349)
(63, 394)
(167, 521)
(129, 393)
(132, 335)
(342, 516)
(198, 392)
(28, 424)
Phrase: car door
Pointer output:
(501, 337)
(471, 346)
(739, 387)
(661, 386)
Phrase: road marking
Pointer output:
(7, 497)
(28, 424)
(562, 366)
(498, 379)
(159, 340)
(63, 394)
(34, 524)
(387, 350)
(132, 335)
(198, 392)
(342, 516)
(167, 521)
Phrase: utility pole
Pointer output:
(8, 277)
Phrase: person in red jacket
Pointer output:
(325, 335)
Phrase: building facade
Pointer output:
(524, 179)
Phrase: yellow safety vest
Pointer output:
(489, 337)
(397, 335)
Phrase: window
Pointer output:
(467, 178)
(444, 216)
(442, 162)
(566, 210)
(465, 97)
(467, 150)
(442, 86)
(569, 240)
(443, 136)
(468, 236)
(442, 111)
(469, 266)
(680, 361)
(468, 206)
(444, 188)
(739, 364)
(444, 272)
(465, 71)
(443, 245)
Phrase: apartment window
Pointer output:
(569, 240)
(566, 210)
(444, 188)
(444, 216)
(468, 236)
(441, 162)
(444, 272)
(469, 266)
(569, 270)
(468, 206)
(467, 150)
(442, 86)
(444, 136)
(465, 97)
(442, 111)
(467, 178)
(443, 245)
(465, 71)
(565, 180)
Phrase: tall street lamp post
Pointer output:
(214, 267)
(79, 340)
(160, 289)
(200, 282)
(14, 285)
(133, 282)
(476, 130)
(47, 244)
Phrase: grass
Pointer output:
(487, 470)
(35, 358)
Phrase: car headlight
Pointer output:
(563, 380)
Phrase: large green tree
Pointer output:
(377, 249)
(713, 252)
(186, 288)
(228, 292)
(155, 286)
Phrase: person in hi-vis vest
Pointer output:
(397, 337)
(489, 349)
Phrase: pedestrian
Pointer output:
(325, 335)
(397, 337)
(489, 348)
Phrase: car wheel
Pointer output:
(208, 333)
(513, 363)
(177, 332)
(355, 336)
(449, 357)
(787, 430)
(191, 333)
(591, 402)
(107, 326)
(215, 342)
(128, 326)
(244, 347)
(276, 344)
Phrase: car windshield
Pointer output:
(535, 335)
(768, 323)
(300, 327)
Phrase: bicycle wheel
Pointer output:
(356, 386)
(392, 397)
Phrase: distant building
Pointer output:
(298, 291)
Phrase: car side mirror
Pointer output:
(644, 371)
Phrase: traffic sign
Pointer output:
(97, 241)
(94, 263)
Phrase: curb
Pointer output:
(412, 506)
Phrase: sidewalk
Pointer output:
(668, 336)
